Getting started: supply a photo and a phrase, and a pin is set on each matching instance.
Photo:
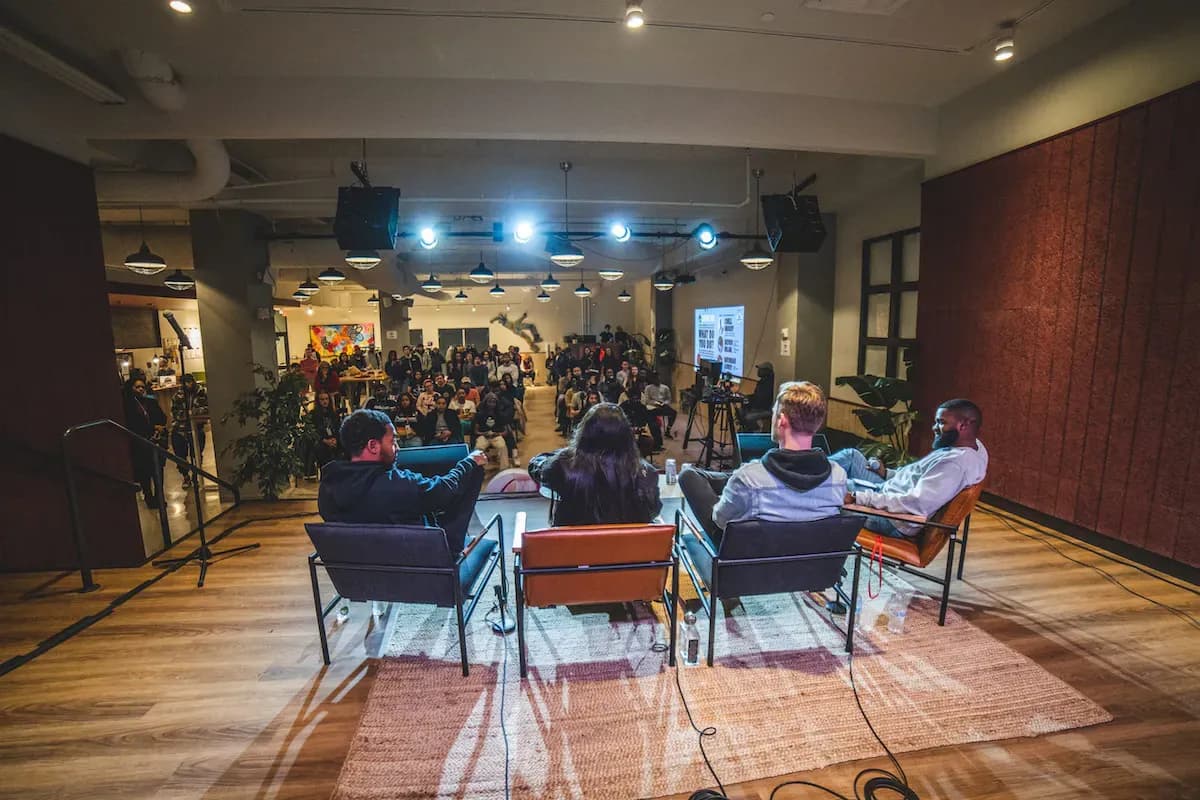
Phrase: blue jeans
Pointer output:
(855, 464)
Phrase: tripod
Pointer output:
(719, 434)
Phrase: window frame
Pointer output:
(895, 287)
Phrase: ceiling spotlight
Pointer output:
(497, 290)
(180, 6)
(550, 284)
(180, 282)
(428, 238)
(610, 273)
(461, 296)
(332, 275)
(620, 232)
(663, 282)
(432, 285)
(634, 16)
(566, 255)
(481, 274)
(309, 311)
(542, 297)
(298, 296)
(144, 262)
(362, 259)
(706, 237)
(308, 287)
(523, 232)
(582, 290)
(624, 296)
(1004, 45)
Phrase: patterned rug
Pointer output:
(600, 715)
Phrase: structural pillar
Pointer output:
(236, 317)
(393, 325)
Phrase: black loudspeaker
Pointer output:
(793, 223)
(367, 217)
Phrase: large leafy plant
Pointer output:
(272, 453)
(890, 417)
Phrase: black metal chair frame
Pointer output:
(520, 572)
(462, 616)
(707, 590)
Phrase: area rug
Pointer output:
(600, 715)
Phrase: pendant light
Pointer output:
(497, 290)
(299, 296)
(433, 284)
(363, 259)
(309, 287)
(461, 296)
(331, 276)
(542, 297)
(144, 262)
(550, 284)
(582, 290)
(663, 282)
(563, 253)
(373, 300)
(481, 274)
(610, 273)
(756, 257)
(624, 296)
(181, 282)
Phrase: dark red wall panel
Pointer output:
(1060, 289)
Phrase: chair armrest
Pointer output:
(519, 525)
(914, 518)
(495, 520)
(682, 520)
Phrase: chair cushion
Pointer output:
(905, 550)
(473, 565)
(595, 545)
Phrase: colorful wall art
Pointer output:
(330, 340)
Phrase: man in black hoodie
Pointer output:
(791, 483)
(369, 488)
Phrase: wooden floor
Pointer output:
(220, 692)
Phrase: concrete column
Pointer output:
(804, 305)
(235, 316)
(393, 325)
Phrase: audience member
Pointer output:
(383, 401)
(425, 399)
(492, 427)
(327, 380)
(440, 426)
(656, 397)
(406, 422)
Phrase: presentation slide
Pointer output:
(720, 336)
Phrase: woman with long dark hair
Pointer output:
(599, 477)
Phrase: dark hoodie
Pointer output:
(799, 469)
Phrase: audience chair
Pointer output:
(403, 564)
(756, 557)
(914, 553)
(584, 564)
(433, 460)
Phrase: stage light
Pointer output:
(542, 297)
(432, 285)
(634, 16)
(610, 273)
(706, 237)
(461, 296)
(363, 259)
(428, 238)
(373, 300)
(620, 232)
(582, 291)
(624, 296)
(497, 290)
(180, 282)
(550, 284)
(663, 282)
(523, 232)
(481, 274)
(180, 6)
(331, 275)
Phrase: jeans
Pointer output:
(855, 464)
(702, 488)
(484, 441)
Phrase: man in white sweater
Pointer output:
(958, 460)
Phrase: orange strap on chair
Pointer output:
(876, 555)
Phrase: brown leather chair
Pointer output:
(914, 553)
(583, 564)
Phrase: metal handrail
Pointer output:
(81, 549)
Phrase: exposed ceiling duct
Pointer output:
(161, 87)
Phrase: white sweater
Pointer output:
(924, 486)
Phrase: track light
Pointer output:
(624, 296)
(461, 296)
(180, 6)
(523, 232)
(663, 282)
(297, 295)
(363, 259)
(428, 238)
(582, 290)
(481, 274)
(1004, 49)
(620, 232)
(497, 290)
(332, 275)
(144, 262)
(706, 236)
(181, 282)
(634, 16)
(550, 284)
(432, 285)
(542, 297)
(610, 273)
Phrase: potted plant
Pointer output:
(273, 451)
(890, 417)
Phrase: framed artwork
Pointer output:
(330, 340)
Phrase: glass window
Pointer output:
(908, 315)
(910, 260)
(880, 266)
(876, 359)
(878, 307)
(884, 337)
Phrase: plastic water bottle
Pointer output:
(897, 610)
(343, 613)
(672, 474)
(689, 645)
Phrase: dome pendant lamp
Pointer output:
(144, 261)
(550, 284)
(756, 257)
(481, 274)
(565, 254)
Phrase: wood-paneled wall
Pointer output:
(60, 368)
(1060, 290)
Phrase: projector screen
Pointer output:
(720, 336)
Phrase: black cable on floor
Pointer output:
(1108, 576)
(83, 623)
(503, 691)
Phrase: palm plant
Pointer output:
(890, 417)
(273, 452)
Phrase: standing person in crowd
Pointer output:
(436, 361)
(599, 477)
(492, 428)
(370, 489)
(413, 361)
(656, 397)
(309, 364)
(606, 335)
(455, 368)
(426, 359)
(440, 426)
(528, 373)
(426, 397)
(478, 372)
(623, 375)
(327, 380)
(406, 422)
(144, 417)
(326, 419)
(189, 401)
(392, 367)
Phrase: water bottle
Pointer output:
(672, 474)
(897, 610)
(689, 646)
(343, 613)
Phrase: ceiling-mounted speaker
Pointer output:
(793, 223)
(367, 217)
